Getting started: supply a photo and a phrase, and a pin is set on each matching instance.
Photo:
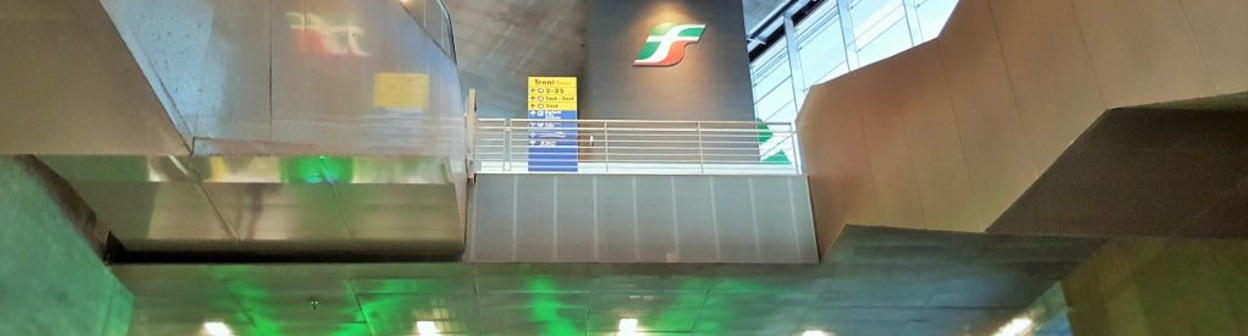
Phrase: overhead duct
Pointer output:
(307, 205)
(239, 126)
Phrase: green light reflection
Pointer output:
(546, 307)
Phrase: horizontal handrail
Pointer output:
(504, 145)
(625, 121)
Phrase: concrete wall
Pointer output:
(711, 83)
(651, 219)
(1160, 287)
(947, 135)
(71, 86)
(51, 281)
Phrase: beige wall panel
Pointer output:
(836, 159)
(884, 128)
(1219, 27)
(816, 158)
(993, 141)
(1050, 72)
(1142, 51)
(939, 166)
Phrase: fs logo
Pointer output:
(322, 36)
(666, 44)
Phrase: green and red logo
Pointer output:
(666, 44)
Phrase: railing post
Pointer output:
(795, 160)
(701, 149)
(606, 147)
(507, 144)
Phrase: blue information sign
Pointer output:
(552, 141)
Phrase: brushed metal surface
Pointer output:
(147, 77)
(288, 77)
(321, 204)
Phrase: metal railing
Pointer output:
(635, 147)
(435, 19)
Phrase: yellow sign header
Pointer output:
(537, 82)
(552, 93)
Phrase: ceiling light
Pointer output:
(1015, 327)
(628, 325)
(814, 333)
(426, 328)
(218, 329)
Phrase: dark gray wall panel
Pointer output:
(695, 219)
(656, 218)
(535, 213)
(652, 219)
(734, 219)
(574, 219)
(617, 218)
(711, 83)
(495, 222)
(772, 199)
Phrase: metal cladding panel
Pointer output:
(650, 219)
(535, 213)
(401, 206)
(656, 215)
(735, 229)
(326, 91)
(575, 225)
(288, 77)
(695, 218)
(616, 215)
(492, 218)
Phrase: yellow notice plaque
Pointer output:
(401, 90)
(552, 93)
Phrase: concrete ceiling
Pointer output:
(879, 281)
(500, 43)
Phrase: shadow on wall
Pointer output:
(1149, 287)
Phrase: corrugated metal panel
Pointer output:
(651, 219)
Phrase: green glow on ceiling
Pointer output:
(317, 169)
(692, 295)
(546, 307)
